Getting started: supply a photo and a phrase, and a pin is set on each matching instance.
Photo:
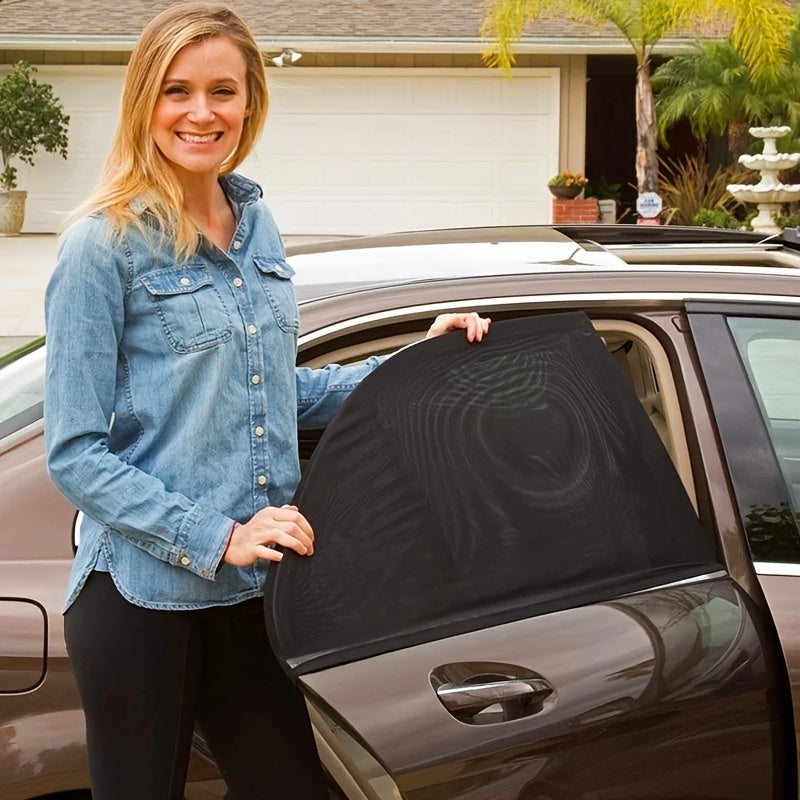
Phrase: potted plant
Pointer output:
(31, 118)
(567, 184)
(607, 195)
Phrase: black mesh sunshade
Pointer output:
(466, 485)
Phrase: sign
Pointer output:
(649, 205)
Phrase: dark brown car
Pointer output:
(646, 644)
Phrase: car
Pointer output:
(562, 563)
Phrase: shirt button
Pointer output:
(185, 560)
(256, 379)
(259, 431)
(253, 329)
(237, 282)
(237, 244)
(262, 480)
(184, 281)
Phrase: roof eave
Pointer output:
(339, 44)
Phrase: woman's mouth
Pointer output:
(199, 138)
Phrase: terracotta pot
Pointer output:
(12, 212)
(568, 192)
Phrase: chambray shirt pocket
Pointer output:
(192, 312)
(276, 275)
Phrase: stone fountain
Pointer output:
(769, 194)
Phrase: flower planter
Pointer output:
(607, 209)
(565, 192)
(12, 212)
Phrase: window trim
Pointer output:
(22, 419)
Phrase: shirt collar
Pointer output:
(238, 189)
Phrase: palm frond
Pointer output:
(759, 33)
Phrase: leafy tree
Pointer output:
(757, 30)
(31, 118)
(713, 88)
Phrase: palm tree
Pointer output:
(758, 32)
(712, 87)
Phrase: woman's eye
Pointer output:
(175, 90)
(224, 90)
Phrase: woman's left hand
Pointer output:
(475, 325)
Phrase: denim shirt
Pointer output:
(172, 401)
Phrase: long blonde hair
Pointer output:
(135, 168)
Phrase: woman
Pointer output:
(172, 409)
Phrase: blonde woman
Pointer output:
(172, 409)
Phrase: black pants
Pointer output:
(145, 677)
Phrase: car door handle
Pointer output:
(494, 700)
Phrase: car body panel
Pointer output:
(638, 688)
(781, 592)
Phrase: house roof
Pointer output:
(342, 24)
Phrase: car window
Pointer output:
(637, 352)
(21, 391)
(770, 351)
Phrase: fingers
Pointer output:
(270, 527)
(475, 326)
(285, 526)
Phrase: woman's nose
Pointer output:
(200, 109)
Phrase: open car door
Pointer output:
(511, 594)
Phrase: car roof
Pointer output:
(344, 265)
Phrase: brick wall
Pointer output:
(579, 211)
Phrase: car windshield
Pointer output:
(21, 390)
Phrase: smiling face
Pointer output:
(201, 108)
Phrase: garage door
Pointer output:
(367, 151)
(350, 151)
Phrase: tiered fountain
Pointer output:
(768, 194)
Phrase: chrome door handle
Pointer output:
(483, 701)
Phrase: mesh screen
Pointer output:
(466, 485)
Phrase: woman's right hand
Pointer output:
(284, 526)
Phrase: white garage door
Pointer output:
(350, 151)
(362, 151)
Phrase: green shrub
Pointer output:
(688, 185)
(602, 189)
(791, 219)
(715, 218)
